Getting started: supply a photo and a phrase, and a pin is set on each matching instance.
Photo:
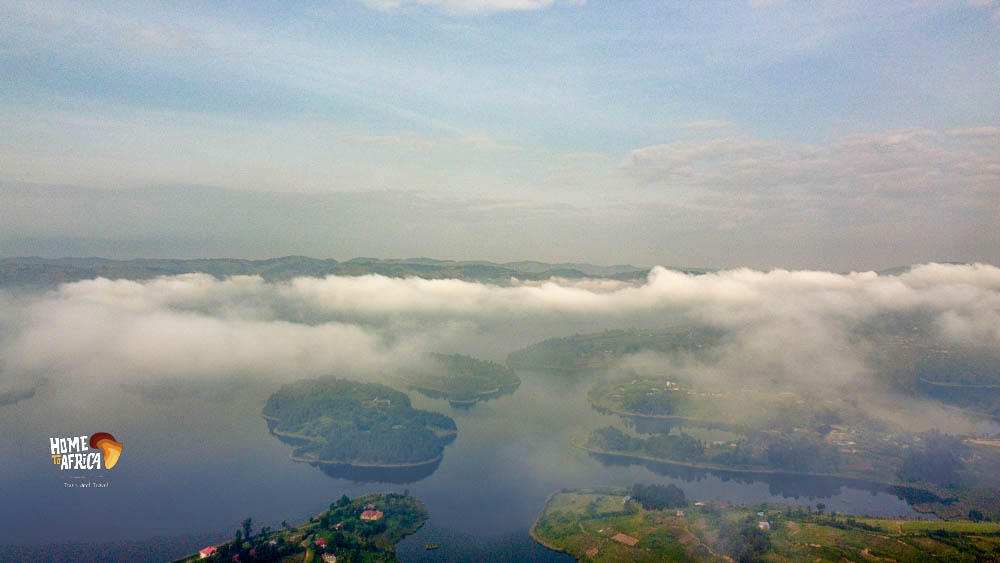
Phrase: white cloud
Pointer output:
(785, 328)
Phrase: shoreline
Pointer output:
(713, 467)
(531, 530)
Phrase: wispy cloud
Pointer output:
(915, 163)
(707, 124)
(486, 143)
(404, 141)
(470, 7)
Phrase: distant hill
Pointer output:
(49, 272)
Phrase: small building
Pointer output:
(329, 558)
(679, 513)
(625, 539)
(371, 515)
(320, 543)
(764, 525)
(626, 498)
(207, 552)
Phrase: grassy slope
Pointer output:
(586, 519)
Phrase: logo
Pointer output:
(75, 452)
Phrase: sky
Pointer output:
(822, 135)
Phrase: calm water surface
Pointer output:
(197, 463)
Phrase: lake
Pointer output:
(198, 461)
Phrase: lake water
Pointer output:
(197, 463)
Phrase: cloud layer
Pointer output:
(784, 326)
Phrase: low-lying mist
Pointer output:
(809, 332)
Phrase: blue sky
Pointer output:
(680, 129)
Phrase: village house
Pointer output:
(371, 515)
(764, 525)
(207, 552)
(625, 539)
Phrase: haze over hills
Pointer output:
(34, 271)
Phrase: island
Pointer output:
(362, 425)
(462, 380)
(657, 523)
(366, 528)
(584, 354)
(755, 431)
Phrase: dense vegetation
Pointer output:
(582, 352)
(937, 459)
(356, 423)
(678, 447)
(463, 380)
(595, 525)
(658, 497)
(339, 531)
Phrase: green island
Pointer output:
(585, 353)
(656, 523)
(337, 421)
(759, 432)
(463, 380)
(366, 528)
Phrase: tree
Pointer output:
(938, 461)
(658, 497)
(246, 524)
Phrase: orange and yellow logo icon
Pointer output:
(110, 448)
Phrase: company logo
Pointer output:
(76, 452)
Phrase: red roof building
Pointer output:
(207, 552)
(371, 515)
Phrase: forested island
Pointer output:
(463, 380)
(366, 528)
(583, 353)
(657, 523)
(338, 421)
(757, 432)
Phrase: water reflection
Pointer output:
(396, 475)
(791, 486)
